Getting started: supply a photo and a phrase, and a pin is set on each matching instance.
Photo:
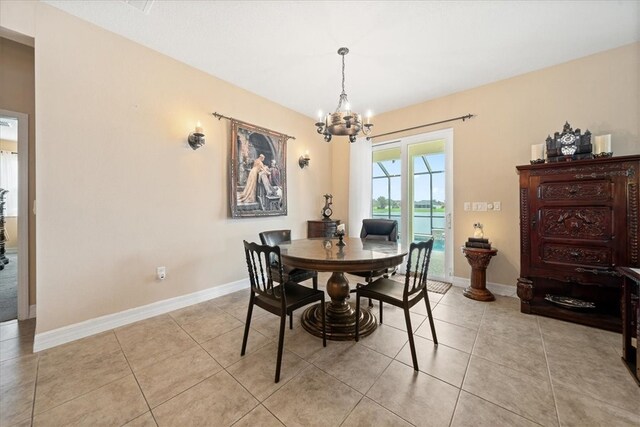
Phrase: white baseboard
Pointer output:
(32, 311)
(496, 288)
(90, 327)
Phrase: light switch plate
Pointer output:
(467, 206)
(497, 206)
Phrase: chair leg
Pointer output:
(283, 321)
(246, 325)
(433, 326)
(324, 323)
(357, 317)
(315, 282)
(407, 318)
(369, 280)
(291, 320)
(380, 311)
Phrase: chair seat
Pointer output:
(383, 287)
(296, 295)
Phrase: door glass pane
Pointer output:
(427, 193)
(386, 185)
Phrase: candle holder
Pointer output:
(537, 161)
(603, 155)
(340, 237)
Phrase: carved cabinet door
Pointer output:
(573, 227)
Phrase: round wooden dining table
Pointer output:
(357, 255)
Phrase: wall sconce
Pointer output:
(303, 161)
(196, 139)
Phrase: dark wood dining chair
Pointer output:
(291, 274)
(276, 237)
(377, 229)
(274, 294)
(415, 288)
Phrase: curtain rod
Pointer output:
(463, 118)
(220, 116)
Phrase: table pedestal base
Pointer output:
(341, 322)
(478, 294)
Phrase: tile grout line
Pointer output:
(35, 388)
(144, 396)
(466, 369)
(546, 359)
(499, 364)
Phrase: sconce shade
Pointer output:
(196, 140)
(303, 161)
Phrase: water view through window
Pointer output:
(424, 199)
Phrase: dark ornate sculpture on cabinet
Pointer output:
(578, 221)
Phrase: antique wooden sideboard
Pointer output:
(322, 228)
(578, 221)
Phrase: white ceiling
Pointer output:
(401, 52)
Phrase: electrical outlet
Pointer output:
(497, 206)
(161, 273)
(467, 206)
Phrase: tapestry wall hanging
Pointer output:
(258, 172)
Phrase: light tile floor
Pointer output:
(494, 366)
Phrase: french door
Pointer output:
(411, 184)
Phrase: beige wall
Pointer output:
(17, 93)
(120, 191)
(599, 92)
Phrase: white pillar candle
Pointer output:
(602, 144)
(596, 145)
(537, 151)
(605, 143)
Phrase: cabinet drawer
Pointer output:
(553, 253)
(322, 228)
(591, 223)
(585, 191)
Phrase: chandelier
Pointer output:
(343, 121)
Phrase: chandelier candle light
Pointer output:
(343, 121)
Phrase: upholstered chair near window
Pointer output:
(378, 229)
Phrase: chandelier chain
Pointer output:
(343, 95)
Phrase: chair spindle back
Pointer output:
(417, 267)
(260, 272)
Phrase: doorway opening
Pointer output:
(14, 233)
(411, 183)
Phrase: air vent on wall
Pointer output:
(142, 5)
